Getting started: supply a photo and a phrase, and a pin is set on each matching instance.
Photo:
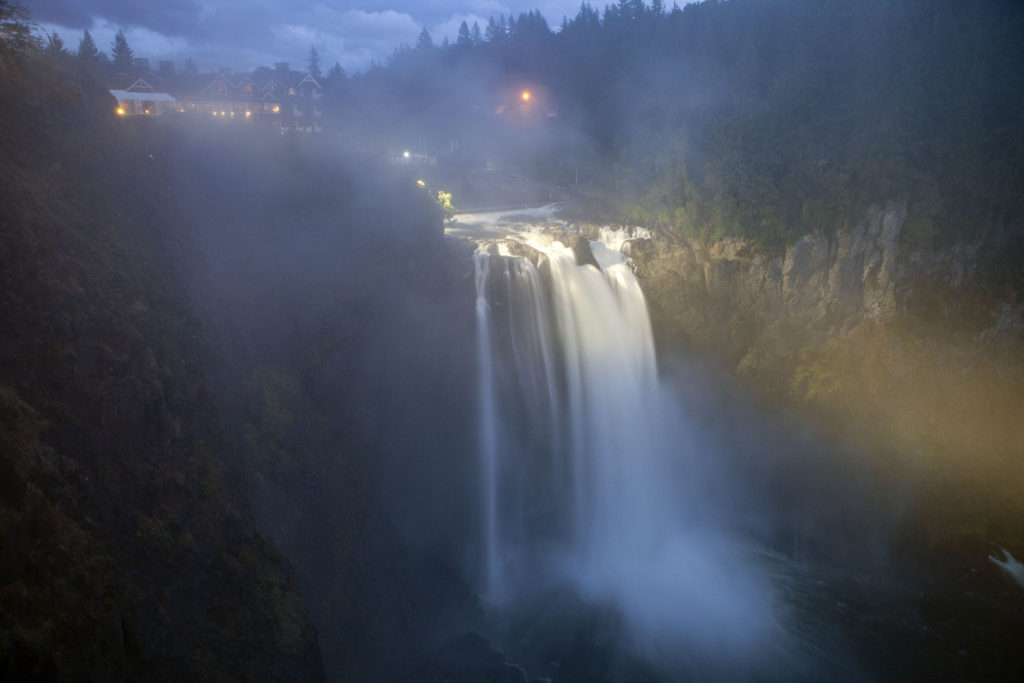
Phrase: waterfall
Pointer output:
(488, 433)
(588, 476)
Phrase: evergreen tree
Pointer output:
(495, 31)
(475, 35)
(336, 74)
(121, 53)
(55, 46)
(15, 33)
(424, 42)
(463, 39)
(313, 63)
(87, 51)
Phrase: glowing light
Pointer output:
(421, 183)
(526, 95)
(120, 111)
(277, 108)
(405, 154)
(248, 114)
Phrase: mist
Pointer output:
(661, 344)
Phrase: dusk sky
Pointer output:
(243, 35)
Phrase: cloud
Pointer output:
(169, 17)
(243, 35)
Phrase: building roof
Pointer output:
(123, 95)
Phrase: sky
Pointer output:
(244, 34)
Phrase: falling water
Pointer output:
(488, 432)
(589, 477)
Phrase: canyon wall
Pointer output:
(914, 353)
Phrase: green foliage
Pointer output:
(121, 54)
(444, 202)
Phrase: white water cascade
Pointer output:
(589, 476)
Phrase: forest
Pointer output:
(761, 119)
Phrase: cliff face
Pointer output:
(917, 354)
(822, 283)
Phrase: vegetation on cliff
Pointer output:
(127, 549)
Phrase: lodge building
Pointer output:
(280, 98)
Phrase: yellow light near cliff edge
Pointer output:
(120, 111)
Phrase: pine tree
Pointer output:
(463, 39)
(15, 33)
(424, 42)
(55, 46)
(495, 32)
(335, 74)
(313, 63)
(87, 51)
(475, 35)
(121, 53)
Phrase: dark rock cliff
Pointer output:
(916, 354)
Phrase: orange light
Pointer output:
(120, 111)
(526, 96)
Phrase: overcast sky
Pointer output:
(244, 34)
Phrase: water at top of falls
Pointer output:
(589, 477)
(498, 224)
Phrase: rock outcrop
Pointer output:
(917, 353)
(820, 281)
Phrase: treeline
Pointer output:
(763, 118)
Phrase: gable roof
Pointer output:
(125, 95)
(139, 85)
